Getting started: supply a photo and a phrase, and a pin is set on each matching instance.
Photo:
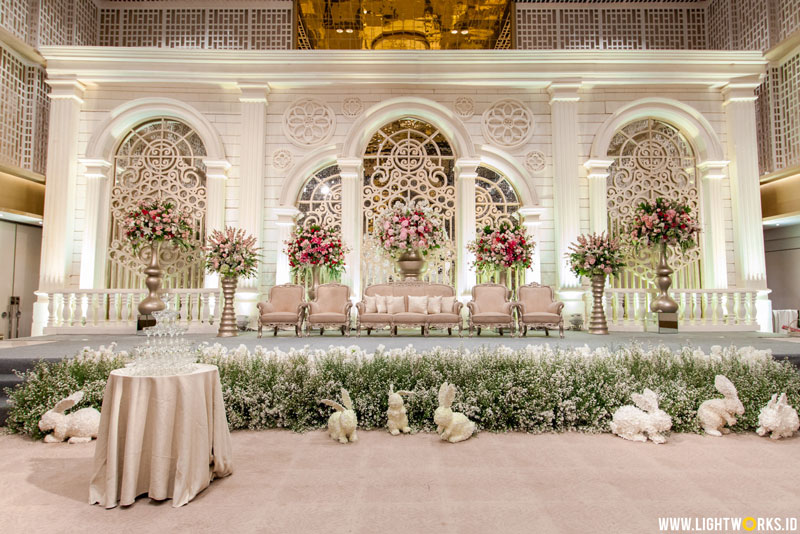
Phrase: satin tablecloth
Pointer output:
(166, 436)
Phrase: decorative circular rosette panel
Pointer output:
(508, 123)
(308, 122)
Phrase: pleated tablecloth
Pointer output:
(164, 436)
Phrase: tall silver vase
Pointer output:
(411, 264)
(153, 303)
(227, 322)
(663, 303)
(598, 324)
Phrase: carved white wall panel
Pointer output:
(464, 107)
(14, 17)
(508, 123)
(320, 200)
(786, 119)
(352, 106)
(282, 159)
(495, 198)
(308, 122)
(535, 161)
(652, 159)
(160, 159)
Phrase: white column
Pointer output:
(597, 170)
(740, 113)
(252, 163)
(566, 192)
(466, 171)
(715, 265)
(532, 223)
(286, 216)
(351, 171)
(216, 177)
(62, 157)
(95, 231)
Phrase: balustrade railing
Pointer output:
(115, 310)
(698, 309)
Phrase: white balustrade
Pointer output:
(702, 310)
(116, 310)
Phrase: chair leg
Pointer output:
(479, 330)
(546, 332)
(260, 326)
(422, 330)
(275, 332)
(449, 331)
(321, 331)
(369, 331)
(296, 331)
(561, 330)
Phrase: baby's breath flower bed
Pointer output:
(536, 389)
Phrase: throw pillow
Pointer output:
(370, 304)
(418, 304)
(381, 304)
(447, 304)
(396, 304)
(435, 304)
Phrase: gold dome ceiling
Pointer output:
(404, 24)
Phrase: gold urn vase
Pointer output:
(411, 264)
(227, 322)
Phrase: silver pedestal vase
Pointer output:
(598, 324)
(153, 303)
(663, 303)
(411, 264)
(227, 323)
(312, 291)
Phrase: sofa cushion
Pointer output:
(448, 303)
(370, 304)
(438, 318)
(418, 304)
(376, 318)
(278, 317)
(435, 304)
(381, 305)
(491, 317)
(326, 317)
(410, 318)
(541, 317)
(395, 304)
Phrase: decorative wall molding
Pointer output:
(282, 159)
(309, 122)
(508, 123)
(535, 161)
(464, 107)
(352, 106)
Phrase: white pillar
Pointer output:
(253, 109)
(95, 230)
(286, 216)
(748, 233)
(597, 170)
(715, 265)
(466, 171)
(351, 171)
(66, 97)
(566, 192)
(532, 222)
(216, 177)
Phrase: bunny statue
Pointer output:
(79, 426)
(645, 420)
(451, 426)
(714, 414)
(342, 423)
(396, 414)
(779, 418)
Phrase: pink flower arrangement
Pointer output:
(595, 254)
(154, 221)
(232, 253)
(664, 223)
(315, 245)
(503, 247)
(409, 226)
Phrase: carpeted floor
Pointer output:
(494, 483)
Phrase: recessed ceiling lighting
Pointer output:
(454, 31)
(464, 32)
(365, 11)
(349, 30)
(339, 30)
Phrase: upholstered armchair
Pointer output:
(285, 308)
(491, 307)
(537, 307)
(330, 308)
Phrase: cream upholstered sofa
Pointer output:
(491, 307)
(410, 314)
(285, 308)
(330, 309)
(537, 307)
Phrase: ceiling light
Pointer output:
(339, 30)
(365, 11)
(464, 32)
(454, 31)
(349, 30)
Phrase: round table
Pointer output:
(164, 436)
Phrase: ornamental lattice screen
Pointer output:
(158, 159)
(496, 200)
(407, 160)
(652, 159)
(320, 200)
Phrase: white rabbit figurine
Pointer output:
(342, 424)
(779, 418)
(645, 420)
(714, 414)
(79, 426)
(396, 414)
(451, 426)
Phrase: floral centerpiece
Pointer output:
(595, 254)
(316, 246)
(232, 254)
(157, 221)
(664, 222)
(506, 246)
(408, 232)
